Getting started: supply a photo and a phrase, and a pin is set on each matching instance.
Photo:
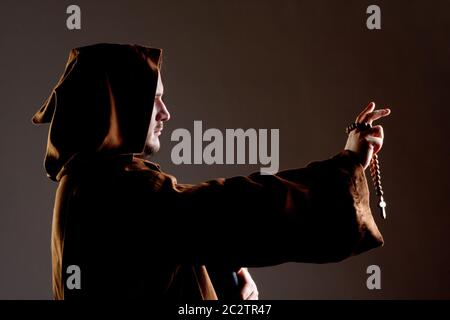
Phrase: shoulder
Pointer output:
(149, 172)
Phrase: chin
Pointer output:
(151, 148)
(155, 145)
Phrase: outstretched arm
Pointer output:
(319, 213)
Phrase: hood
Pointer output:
(102, 104)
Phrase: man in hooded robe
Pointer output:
(135, 232)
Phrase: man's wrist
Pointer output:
(355, 157)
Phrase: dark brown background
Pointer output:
(305, 67)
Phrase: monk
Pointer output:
(134, 232)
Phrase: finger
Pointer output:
(370, 107)
(254, 295)
(375, 142)
(246, 291)
(376, 131)
(244, 275)
(375, 115)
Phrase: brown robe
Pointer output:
(134, 232)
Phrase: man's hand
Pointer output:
(365, 143)
(249, 291)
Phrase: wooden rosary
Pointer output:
(374, 168)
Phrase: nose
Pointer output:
(163, 114)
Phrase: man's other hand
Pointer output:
(249, 291)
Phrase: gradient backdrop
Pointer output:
(324, 65)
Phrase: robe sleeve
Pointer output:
(317, 214)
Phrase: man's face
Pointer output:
(160, 114)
